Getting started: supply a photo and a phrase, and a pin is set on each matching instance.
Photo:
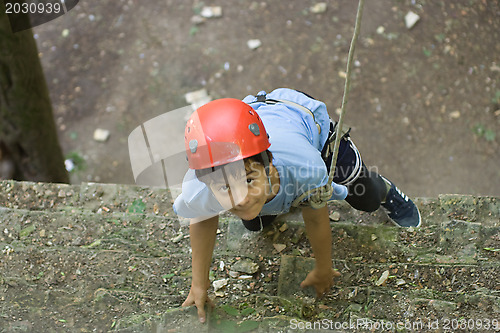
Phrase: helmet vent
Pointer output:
(193, 146)
(254, 128)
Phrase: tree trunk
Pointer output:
(27, 127)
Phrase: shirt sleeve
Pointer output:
(196, 199)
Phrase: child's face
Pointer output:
(244, 192)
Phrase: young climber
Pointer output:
(254, 158)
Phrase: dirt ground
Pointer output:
(424, 104)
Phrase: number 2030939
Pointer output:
(471, 324)
(33, 7)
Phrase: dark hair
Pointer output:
(202, 173)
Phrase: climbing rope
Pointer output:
(319, 196)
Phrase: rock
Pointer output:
(234, 274)
(197, 98)
(380, 30)
(443, 306)
(197, 19)
(400, 282)
(69, 165)
(219, 284)
(194, 96)
(335, 216)
(279, 247)
(254, 44)
(211, 12)
(382, 278)
(411, 19)
(101, 135)
(245, 266)
(318, 8)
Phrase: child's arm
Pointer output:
(319, 233)
(202, 244)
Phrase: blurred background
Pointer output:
(423, 107)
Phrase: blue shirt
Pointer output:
(296, 147)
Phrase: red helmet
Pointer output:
(223, 131)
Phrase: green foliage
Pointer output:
(167, 276)
(232, 324)
(197, 7)
(247, 311)
(193, 31)
(78, 161)
(27, 231)
(440, 37)
(491, 249)
(138, 207)
(230, 310)
(496, 98)
(481, 131)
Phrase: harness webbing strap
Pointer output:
(271, 101)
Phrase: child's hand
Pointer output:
(321, 280)
(199, 297)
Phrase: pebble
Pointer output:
(400, 282)
(197, 19)
(335, 216)
(318, 8)
(254, 44)
(279, 247)
(211, 12)
(383, 278)
(101, 135)
(219, 284)
(245, 266)
(194, 96)
(234, 274)
(69, 165)
(411, 19)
